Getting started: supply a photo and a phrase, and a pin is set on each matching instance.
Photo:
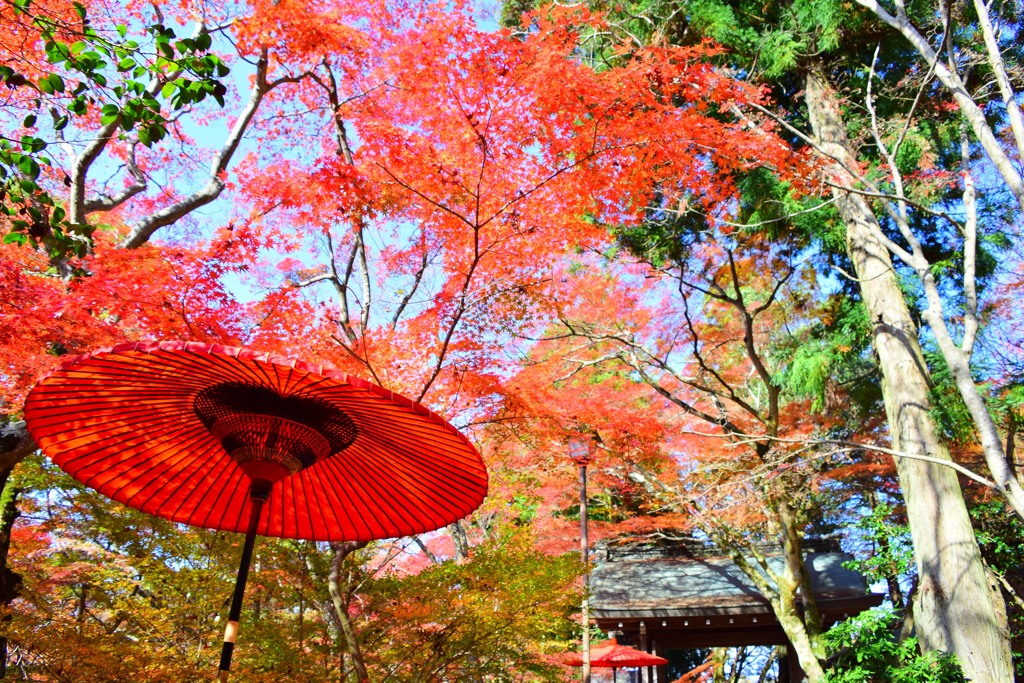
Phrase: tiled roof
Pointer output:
(685, 586)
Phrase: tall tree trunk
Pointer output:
(956, 609)
(10, 582)
(15, 445)
(340, 595)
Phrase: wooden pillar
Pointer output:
(644, 674)
(661, 672)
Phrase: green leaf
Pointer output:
(122, 30)
(29, 167)
(29, 121)
(32, 144)
(109, 114)
(57, 51)
(15, 238)
(157, 132)
(219, 90)
(80, 10)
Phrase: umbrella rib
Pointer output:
(409, 484)
(396, 496)
(173, 371)
(293, 382)
(289, 483)
(320, 507)
(182, 476)
(59, 419)
(313, 515)
(222, 468)
(224, 509)
(117, 436)
(374, 526)
(116, 439)
(154, 456)
(449, 470)
(268, 381)
(282, 496)
(341, 489)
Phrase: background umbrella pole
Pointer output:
(581, 450)
(585, 550)
(258, 495)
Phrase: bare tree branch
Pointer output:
(144, 228)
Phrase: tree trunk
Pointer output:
(719, 656)
(955, 610)
(340, 599)
(15, 445)
(796, 571)
(783, 594)
(792, 623)
(10, 582)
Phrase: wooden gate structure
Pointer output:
(689, 595)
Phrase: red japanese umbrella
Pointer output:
(230, 439)
(613, 656)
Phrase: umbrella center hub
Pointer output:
(269, 447)
(272, 436)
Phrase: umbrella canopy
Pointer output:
(611, 655)
(231, 439)
(185, 430)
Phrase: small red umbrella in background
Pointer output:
(230, 439)
(613, 656)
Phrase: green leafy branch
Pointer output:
(868, 650)
(125, 81)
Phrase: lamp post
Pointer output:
(581, 451)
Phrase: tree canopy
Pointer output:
(763, 258)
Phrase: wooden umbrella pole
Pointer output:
(258, 495)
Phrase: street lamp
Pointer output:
(581, 451)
